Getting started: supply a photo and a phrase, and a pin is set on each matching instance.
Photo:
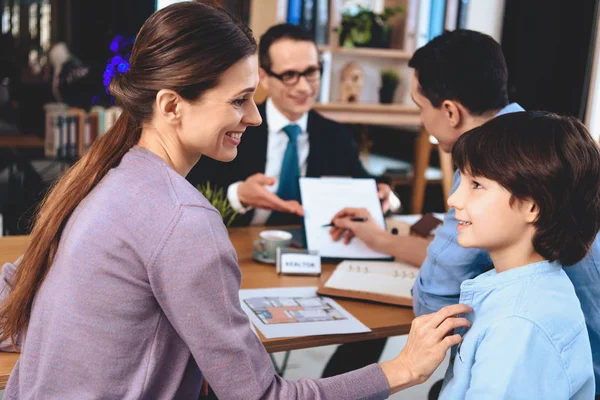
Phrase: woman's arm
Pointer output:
(196, 280)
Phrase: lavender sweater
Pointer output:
(142, 301)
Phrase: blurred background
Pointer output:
(58, 56)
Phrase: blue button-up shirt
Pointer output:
(528, 338)
(448, 264)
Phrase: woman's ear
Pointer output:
(168, 106)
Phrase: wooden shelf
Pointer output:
(21, 141)
(397, 115)
(396, 54)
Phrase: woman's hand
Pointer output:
(429, 339)
(344, 228)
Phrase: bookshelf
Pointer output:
(400, 115)
(372, 61)
(361, 52)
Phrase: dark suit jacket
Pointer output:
(332, 152)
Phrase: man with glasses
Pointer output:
(292, 141)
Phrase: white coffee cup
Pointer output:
(270, 240)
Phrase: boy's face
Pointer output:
(486, 218)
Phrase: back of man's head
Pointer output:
(464, 66)
(278, 32)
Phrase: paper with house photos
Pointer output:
(322, 198)
(296, 311)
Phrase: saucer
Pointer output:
(258, 256)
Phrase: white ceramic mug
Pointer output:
(269, 242)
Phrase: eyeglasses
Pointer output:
(290, 78)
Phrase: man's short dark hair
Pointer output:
(550, 159)
(278, 32)
(464, 66)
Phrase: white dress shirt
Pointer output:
(276, 145)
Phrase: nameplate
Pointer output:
(298, 262)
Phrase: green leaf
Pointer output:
(218, 199)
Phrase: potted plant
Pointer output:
(389, 83)
(218, 199)
(366, 28)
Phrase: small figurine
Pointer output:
(352, 82)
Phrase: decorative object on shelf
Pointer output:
(389, 83)
(218, 198)
(366, 28)
(352, 82)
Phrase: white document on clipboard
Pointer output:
(322, 198)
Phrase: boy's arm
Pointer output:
(517, 360)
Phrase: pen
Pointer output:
(355, 219)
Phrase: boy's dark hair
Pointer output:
(278, 32)
(464, 66)
(550, 159)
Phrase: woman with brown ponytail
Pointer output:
(129, 289)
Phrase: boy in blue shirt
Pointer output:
(529, 195)
(459, 84)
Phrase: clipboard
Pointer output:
(368, 285)
(322, 198)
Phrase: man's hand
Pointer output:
(253, 193)
(343, 227)
(383, 192)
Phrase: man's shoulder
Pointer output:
(336, 131)
(316, 117)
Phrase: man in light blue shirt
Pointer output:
(460, 83)
(448, 264)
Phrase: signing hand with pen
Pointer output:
(367, 230)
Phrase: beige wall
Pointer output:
(265, 13)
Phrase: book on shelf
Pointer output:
(451, 15)
(325, 77)
(321, 21)
(378, 281)
(98, 111)
(308, 15)
(70, 131)
(110, 117)
(411, 26)
(64, 133)
(294, 14)
(313, 15)
(437, 18)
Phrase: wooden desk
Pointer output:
(383, 320)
